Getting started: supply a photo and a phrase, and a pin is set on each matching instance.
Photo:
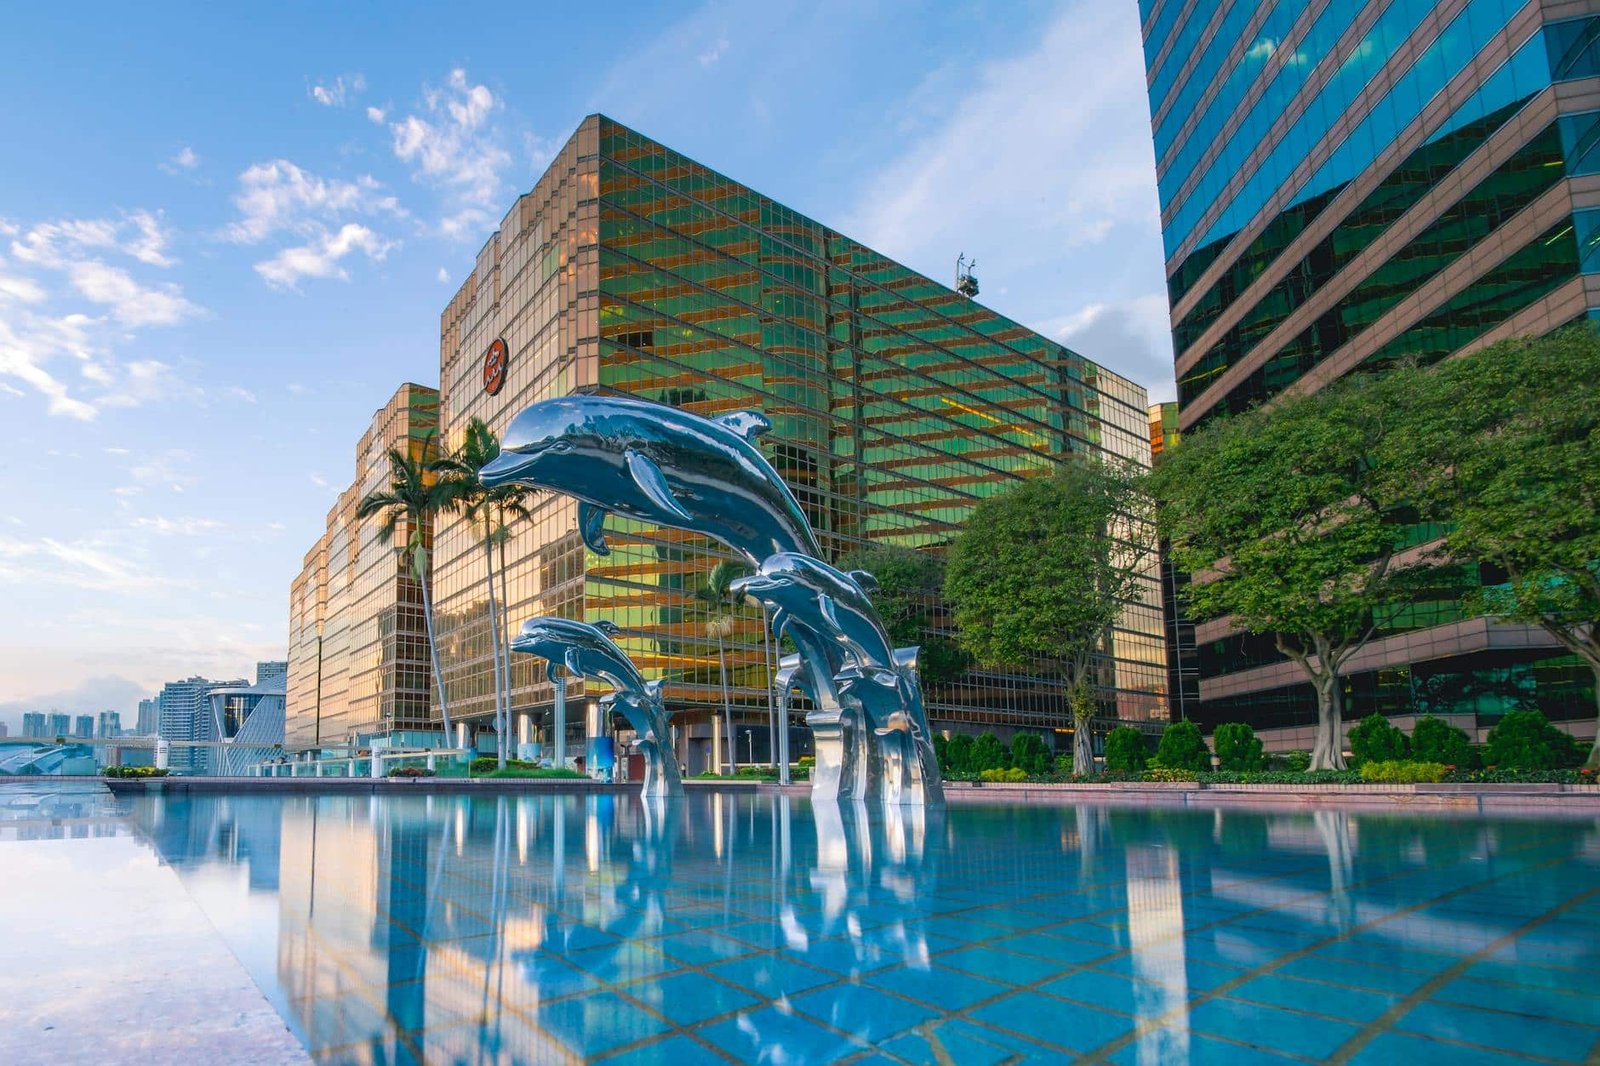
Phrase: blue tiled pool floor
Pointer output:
(755, 929)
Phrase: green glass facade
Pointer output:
(896, 404)
(1345, 184)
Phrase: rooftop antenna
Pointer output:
(966, 280)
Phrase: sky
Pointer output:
(226, 237)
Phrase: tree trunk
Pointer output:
(1083, 746)
(505, 627)
(494, 637)
(433, 653)
(727, 706)
(1593, 762)
(1327, 751)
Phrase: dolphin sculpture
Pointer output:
(829, 615)
(588, 650)
(656, 464)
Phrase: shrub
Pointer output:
(996, 774)
(988, 753)
(1183, 748)
(488, 764)
(1282, 777)
(410, 771)
(134, 771)
(1029, 754)
(1238, 747)
(1525, 740)
(1126, 751)
(941, 751)
(1373, 739)
(958, 754)
(526, 770)
(1297, 761)
(1064, 765)
(1435, 740)
(1163, 773)
(1402, 772)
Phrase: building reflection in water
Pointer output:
(550, 928)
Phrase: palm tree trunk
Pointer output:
(505, 624)
(727, 705)
(494, 637)
(433, 653)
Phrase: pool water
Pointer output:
(756, 928)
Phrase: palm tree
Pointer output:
(465, 493)
(414, 496)
(717, 593)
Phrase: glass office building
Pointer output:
(896, 403)
(358, 647)
(1346, 183)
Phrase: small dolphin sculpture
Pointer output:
(589, 651)
(657, 464)
(826, 600)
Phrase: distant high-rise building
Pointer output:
(251, 716)
(186, 715)
(5, 730)
(110, 724)
(60, 725)
(149, 717)
(83, 726)
(268, 670)
(33, 724)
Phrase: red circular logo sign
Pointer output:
(494, 367)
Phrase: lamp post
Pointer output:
(750, 746)
(317, 738)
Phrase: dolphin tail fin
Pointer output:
(653, 483)
(868, 583)
(592, 525)
(748, 424)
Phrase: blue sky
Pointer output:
(225, 237)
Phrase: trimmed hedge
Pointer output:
(1402, 772)
(134, 771)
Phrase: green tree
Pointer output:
(1501, 444)
(1279, 514)
(1042, 572)
(1182, 747)
(1029, 754)
(1435, 740)
(1525, 740)
(717, 594)
(486, 511)
(909, 587)
(958, 754)
(1126, 750)
(1238, 747)
(413, 499)
(989, 754)
(1374, 739)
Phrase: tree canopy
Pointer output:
(1041, 573)
(909, 586)
(1283, 519)
(1502, 445)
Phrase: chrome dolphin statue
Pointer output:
(829, 615)
(588, 650)
(656, 464)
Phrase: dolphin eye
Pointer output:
(561, 444)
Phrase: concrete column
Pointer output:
(163, 753)
(560, 738)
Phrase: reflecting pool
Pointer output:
(755, 928)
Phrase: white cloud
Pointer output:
(131, 303)
(239, 392)
(377, 114)
(710, 56)
(187, 159)
(335, 93)
(179, 527)
(296, 388)
(89, 564)
(278, 195)
(320, 258)
(58, 244)
(1132, 338)
(452, 146)
(168, 470)
(444, 276)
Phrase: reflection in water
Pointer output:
(552, 928)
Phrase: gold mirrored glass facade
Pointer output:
(896, 404)
(358, 651)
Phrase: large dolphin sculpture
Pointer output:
(830, 616)
(657, 464)
(589, 651)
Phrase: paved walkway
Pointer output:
(104, 957)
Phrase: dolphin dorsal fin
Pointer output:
(868, 583)
(592, 527)
(653, 483)
(608, 627)
(748, 424)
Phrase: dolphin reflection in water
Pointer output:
(587, 650)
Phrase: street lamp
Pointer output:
(750, 746)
